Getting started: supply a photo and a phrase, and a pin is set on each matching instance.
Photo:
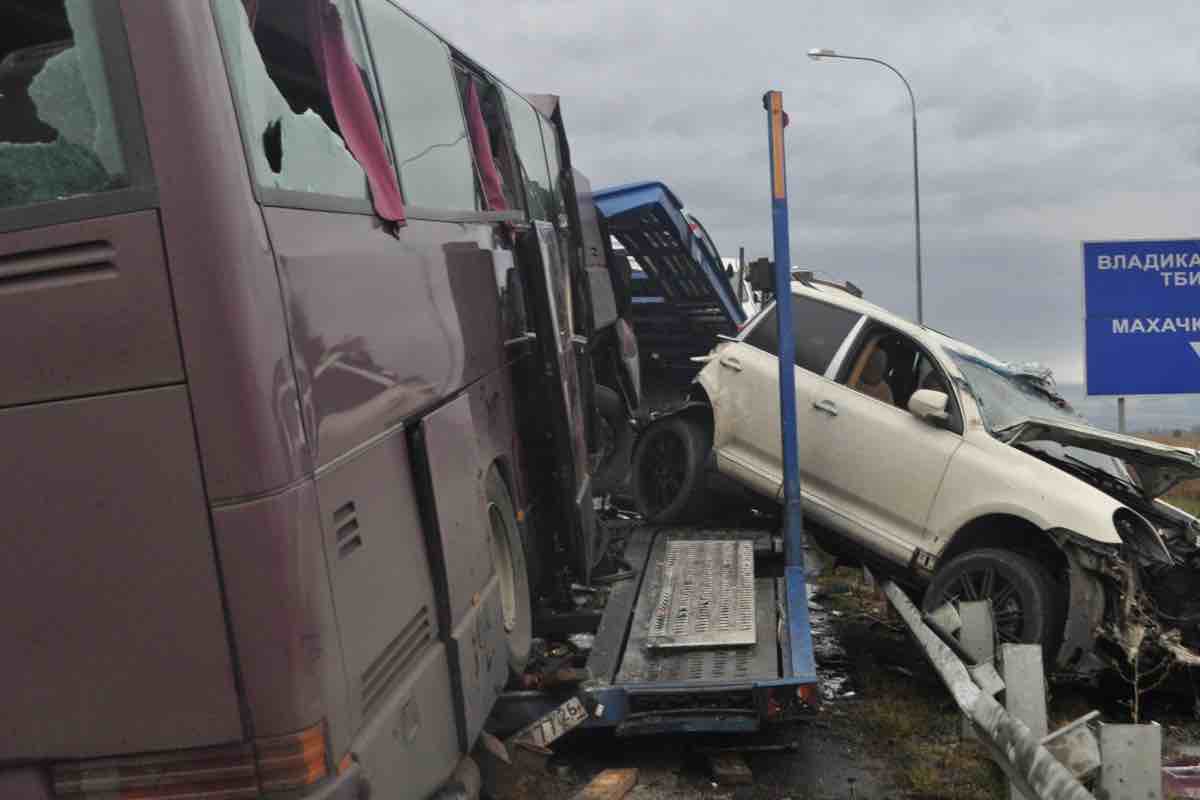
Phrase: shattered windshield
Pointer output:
(58, 137)
(1007, 395)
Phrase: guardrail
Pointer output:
(1029, 765)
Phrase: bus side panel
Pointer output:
(230, 313)
(462, 440)
(277, 589)
(90, 305)
(481, 658)
(379, 568)
(114, 632)
(382, 326)
(457, 476)
(410, 747)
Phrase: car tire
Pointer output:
(510, 556)
(668, 470)
(1027, 603)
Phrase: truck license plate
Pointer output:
(554, 725)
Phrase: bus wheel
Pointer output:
(508, 556)
(668, 470)
(616, 435)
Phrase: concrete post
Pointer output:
(978, 639)
(1024, 691)
(1131, 762)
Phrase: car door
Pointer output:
(881, 466)
(746, 409)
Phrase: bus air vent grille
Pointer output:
(61, 266)
(392, 664)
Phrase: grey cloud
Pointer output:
(1042, 123)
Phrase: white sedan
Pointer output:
(954, 472)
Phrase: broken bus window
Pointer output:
(58, 137)
(293, 136)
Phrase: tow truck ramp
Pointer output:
(696, 640)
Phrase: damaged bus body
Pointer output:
(322, 364)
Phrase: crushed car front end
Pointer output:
(1134, 607)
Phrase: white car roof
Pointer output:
(927, 336)
(840, 297)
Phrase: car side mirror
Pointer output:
(929, 405)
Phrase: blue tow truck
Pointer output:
(688, 629)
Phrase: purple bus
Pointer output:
(320, 371)
(293, 293)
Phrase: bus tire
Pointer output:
(614, 466)
(509, 559)
(668, 470)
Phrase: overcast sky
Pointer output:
(1041, 125)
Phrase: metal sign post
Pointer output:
(793, 522)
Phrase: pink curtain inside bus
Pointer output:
(493, 187)
(352, 107)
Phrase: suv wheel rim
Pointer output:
(988, 584)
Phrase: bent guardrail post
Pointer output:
(1031, 767)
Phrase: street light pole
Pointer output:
(816, 54)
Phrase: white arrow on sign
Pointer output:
(1196, 347)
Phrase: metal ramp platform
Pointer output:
(701, 617)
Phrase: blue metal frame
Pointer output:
(647, 219)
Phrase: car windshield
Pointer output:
(1007, 396)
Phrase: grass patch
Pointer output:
(905, 716)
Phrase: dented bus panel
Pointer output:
(269, 470)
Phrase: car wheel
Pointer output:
(509, 558)
(668, 470)
(1026, 602)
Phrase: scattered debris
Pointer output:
(1075, 746)
(1181, 781)
(611, 784)
(786, 747)
(730, 769)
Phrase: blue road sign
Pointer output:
(1142, 307)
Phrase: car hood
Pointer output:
(1157, 467)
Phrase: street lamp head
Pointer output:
(817, 53)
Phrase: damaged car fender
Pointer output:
(987, 477)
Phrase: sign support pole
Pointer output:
(1120, 415)
(793, 526)
(800, 655)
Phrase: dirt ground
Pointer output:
(886, 729)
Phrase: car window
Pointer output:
(819, 330)
(421, 101)
(291, 127)
(891, 366)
